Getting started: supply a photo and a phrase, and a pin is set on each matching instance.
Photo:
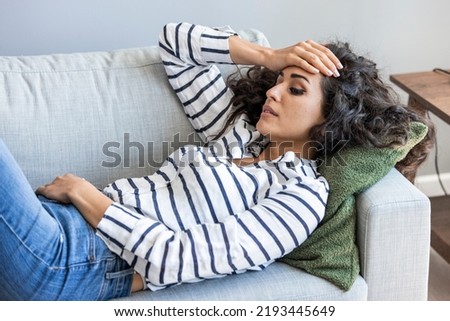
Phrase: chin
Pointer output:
(260, 128)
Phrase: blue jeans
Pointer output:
(47, 250)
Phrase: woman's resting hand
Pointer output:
(69, 188)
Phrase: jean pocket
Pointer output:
(119, 274)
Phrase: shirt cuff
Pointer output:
(214, 44)
(120, 230)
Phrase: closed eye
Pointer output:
(297, 91)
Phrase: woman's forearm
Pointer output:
(247, 53)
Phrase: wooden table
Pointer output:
(430, 91)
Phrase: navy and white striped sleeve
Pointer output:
(189, 54)
(253, 238)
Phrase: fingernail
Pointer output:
(340, 66)
(336, 73)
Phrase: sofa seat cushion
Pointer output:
(278, 282)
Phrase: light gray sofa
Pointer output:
(107, 115)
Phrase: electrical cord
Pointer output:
(436, 166)
(441, 70)
(436, 163)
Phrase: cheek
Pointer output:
(309, 116)
(316, 110)
(319, 116)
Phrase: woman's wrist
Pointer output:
(244, 52)
(91, 202)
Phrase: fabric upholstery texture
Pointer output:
(381, 210)
(278, 281)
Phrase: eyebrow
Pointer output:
(296, 76)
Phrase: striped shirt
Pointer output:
(201, 216)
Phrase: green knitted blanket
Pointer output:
(331, 251)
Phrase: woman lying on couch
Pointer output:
(248, 197)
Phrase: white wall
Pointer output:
(401, 35)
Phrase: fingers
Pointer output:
(318, 57)
(40, 190)
(45, 190)
(60, 188)
(328, 53)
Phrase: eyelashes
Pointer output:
(296, 91)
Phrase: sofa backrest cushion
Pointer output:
(99, 115)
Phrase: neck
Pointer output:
(277, 149)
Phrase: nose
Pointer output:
(274, 92)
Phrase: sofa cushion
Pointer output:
(99, 115)
(278, 281)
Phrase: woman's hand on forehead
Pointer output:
(308, 55)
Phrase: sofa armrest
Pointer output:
(393, 235)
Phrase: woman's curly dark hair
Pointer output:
(359, 109)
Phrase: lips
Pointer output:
(268, 110)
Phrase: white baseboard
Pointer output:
(430, 186)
